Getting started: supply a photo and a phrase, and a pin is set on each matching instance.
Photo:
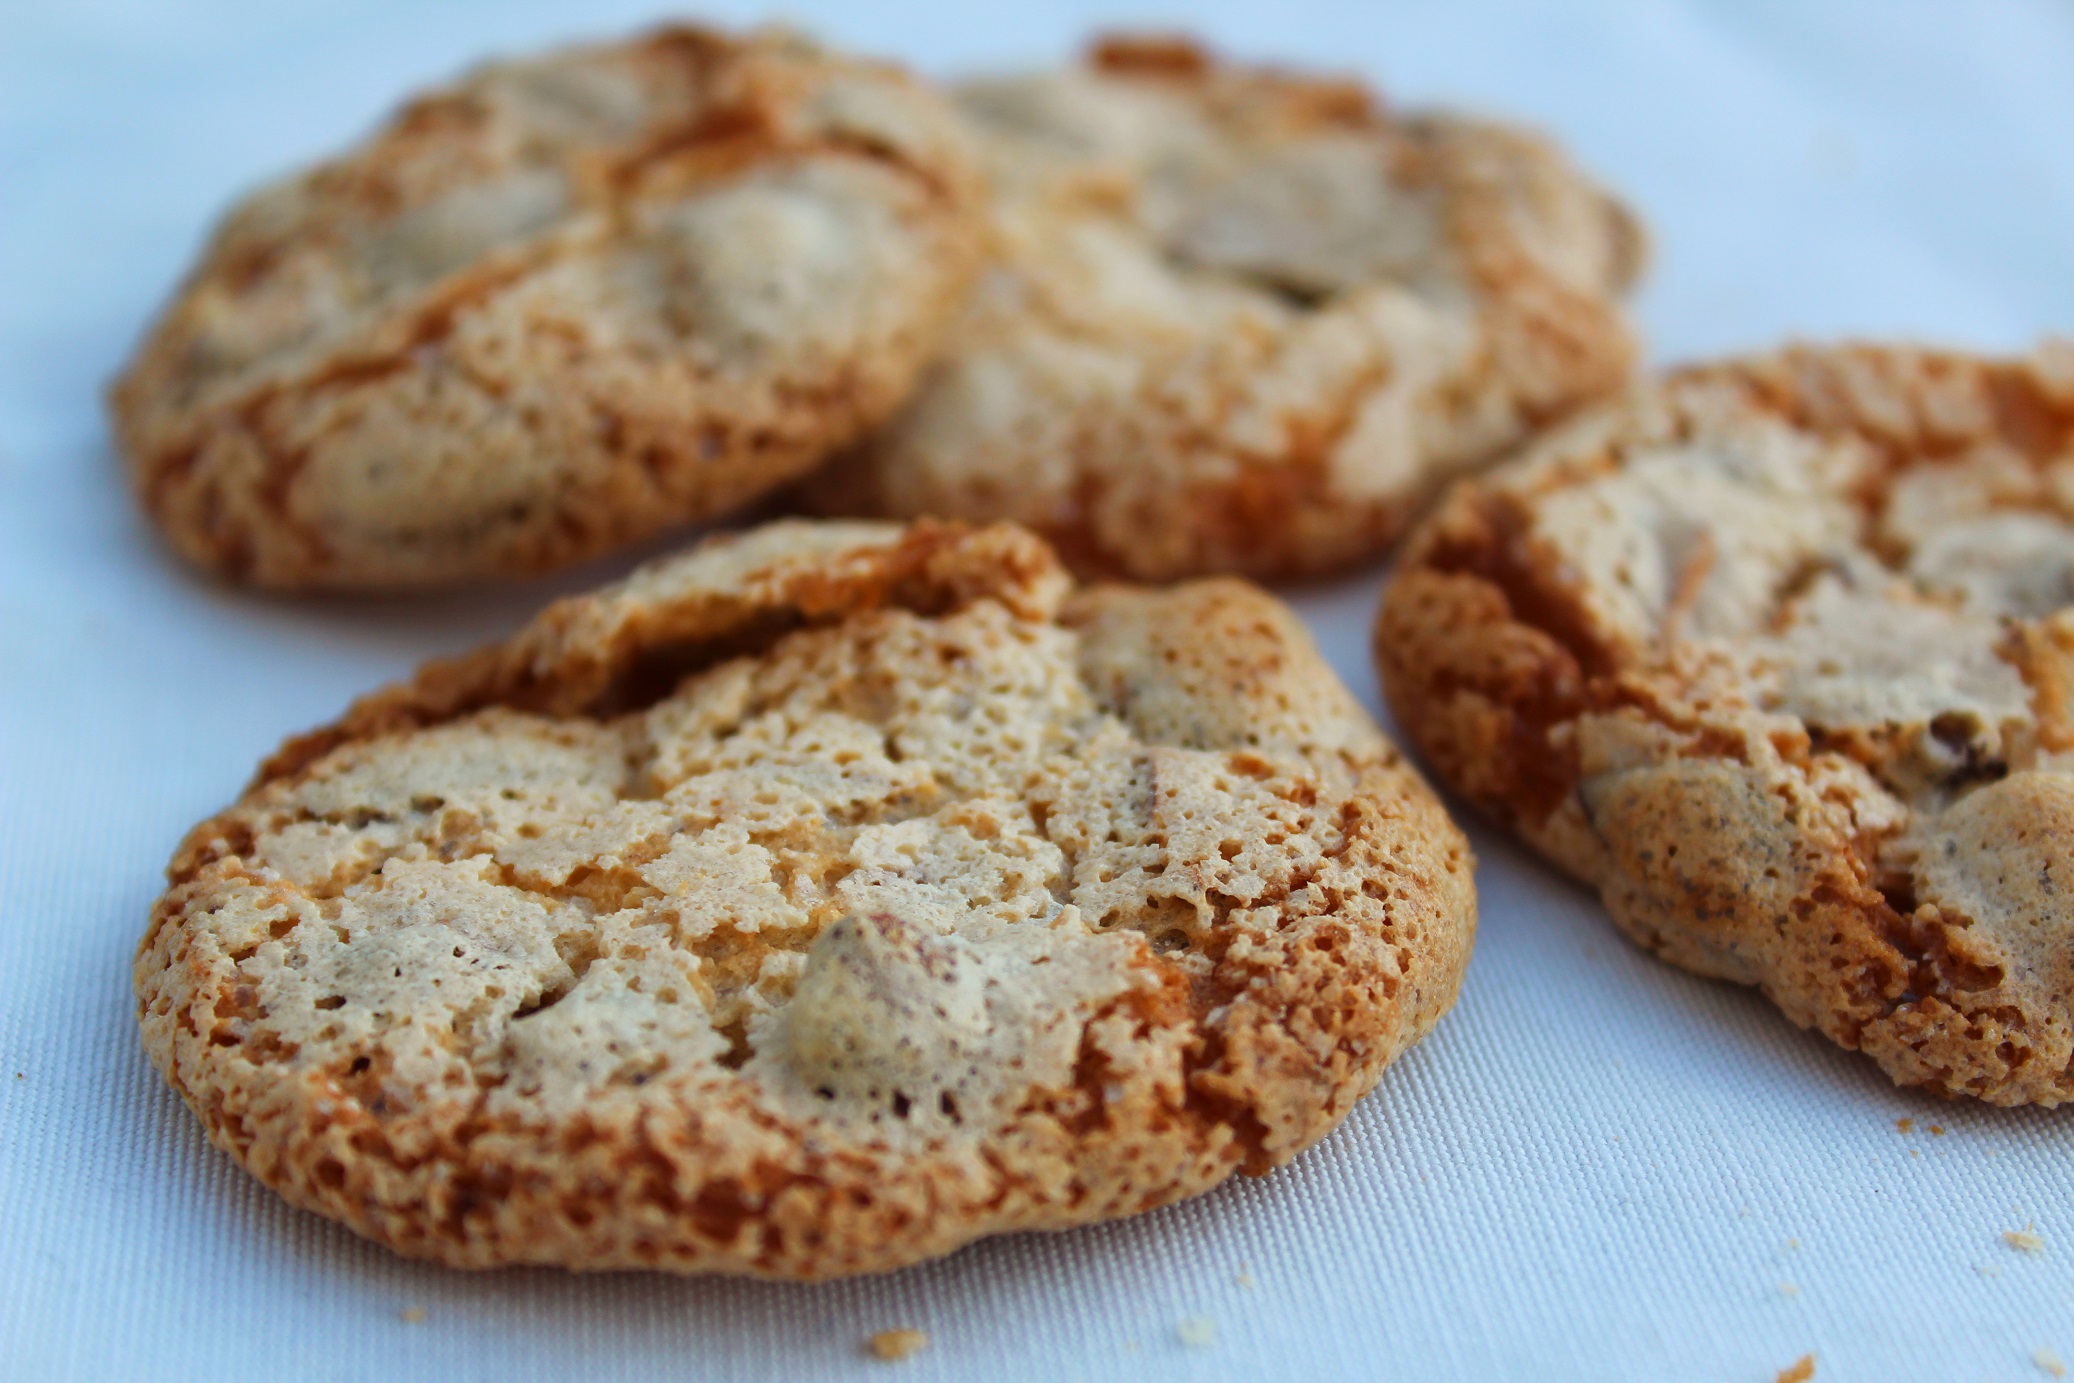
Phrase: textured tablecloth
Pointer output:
(1597, 1168)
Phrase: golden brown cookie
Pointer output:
(1778, 654)
(551, 309)
(1246, 320)
(811, 903)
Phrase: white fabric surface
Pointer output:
(1596, 1168)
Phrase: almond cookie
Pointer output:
(811, 903)
(1779, 655)
(552, 309)
(1245, 320)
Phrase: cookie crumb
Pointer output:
(413, 1315)
(2025, 1240)
(2049, 1362)
(1801, 1372)
(1788, 1289)
(1245, 1279)
(1199, 1332)
(1905, 1125)
(1937, 1130)
(898, 1344)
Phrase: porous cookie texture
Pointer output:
(552, 309)
(810, 904)
(1247, 321)
(1779, 655)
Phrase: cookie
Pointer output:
(811, 903)
(1778, 654)
(552, 309)
(1245, 320)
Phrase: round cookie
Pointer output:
(1245, 320)
(551, 309)
(1778, 654)
(811, 903)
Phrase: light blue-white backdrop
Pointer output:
(1597, 1168)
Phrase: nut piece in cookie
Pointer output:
(551, 309)
(1247, 320)
(810, 903)
(1779, 655)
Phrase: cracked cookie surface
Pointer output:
(1245, 320)
(811, 903)
(551, 309)
(1779, 655)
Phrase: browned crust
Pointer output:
(1293, 1021)
(599, 655)
(1489, 659)
(1297, 100)
(1276, 518)
(1547, 347)
(629, 444)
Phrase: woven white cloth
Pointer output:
(1597, 1168)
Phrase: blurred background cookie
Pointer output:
(810, 903)
(1779, 655)
(551, 309)
(1247, 320)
